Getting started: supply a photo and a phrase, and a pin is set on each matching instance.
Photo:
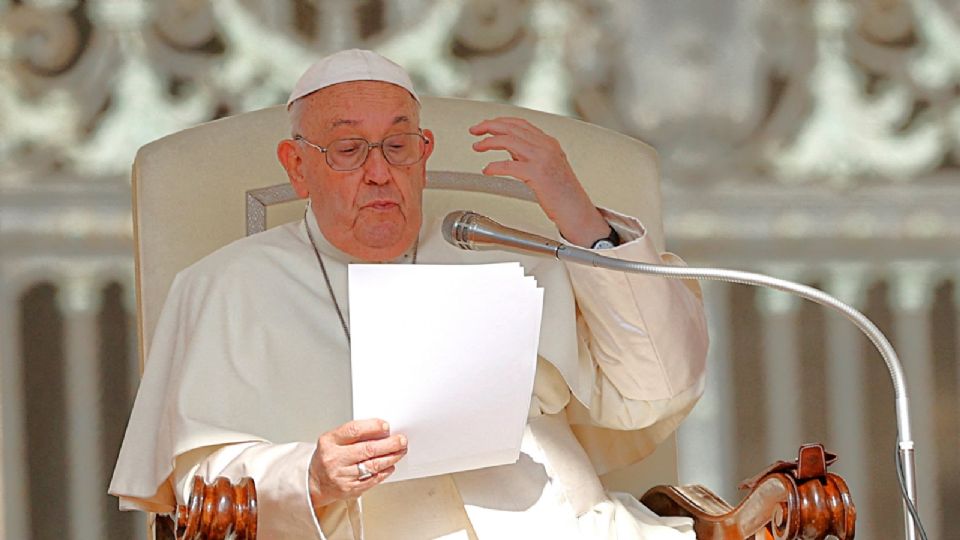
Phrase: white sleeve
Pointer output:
(646, 335)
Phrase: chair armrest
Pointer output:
(787, 502)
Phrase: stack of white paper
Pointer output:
(446, 354)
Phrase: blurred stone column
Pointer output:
(912, 297)
(15, 515)
(338, 24)
(80, 299)
(780, 359)
(846, 410)
(707, 437)
(955, 361)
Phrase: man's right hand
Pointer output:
(334, 467)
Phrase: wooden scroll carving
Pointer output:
(790, 500)
(214, 511)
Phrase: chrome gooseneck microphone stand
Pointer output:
(471, 231)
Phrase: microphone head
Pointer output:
(454, 228)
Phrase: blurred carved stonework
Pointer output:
(813, 139)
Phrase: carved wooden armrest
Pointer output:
(214, 512)
(790, 500)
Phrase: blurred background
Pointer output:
(815, 140)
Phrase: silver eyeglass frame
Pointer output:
(369, 146)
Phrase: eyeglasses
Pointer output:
(350, 154)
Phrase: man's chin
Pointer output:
(384, 245)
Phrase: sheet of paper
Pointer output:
(446, 354)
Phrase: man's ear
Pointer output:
(289, 156)
(429, 149)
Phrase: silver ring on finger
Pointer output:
(363, 471)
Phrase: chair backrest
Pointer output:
(190, 189)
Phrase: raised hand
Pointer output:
(538, 161)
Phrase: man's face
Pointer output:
(375, 211)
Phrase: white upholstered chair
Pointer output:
(222, 178)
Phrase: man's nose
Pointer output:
(376, 170)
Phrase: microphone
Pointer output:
(471, 231)
(474, 232)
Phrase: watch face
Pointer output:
(603, 244)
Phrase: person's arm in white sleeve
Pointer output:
(643, 338)
(280, 472)
(304, 490)
(646, 335)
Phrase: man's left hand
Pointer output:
(538, 161)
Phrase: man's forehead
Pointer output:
(337, 121)
(361, 102)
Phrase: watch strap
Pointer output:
(613, 238)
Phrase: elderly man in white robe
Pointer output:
(249, 371)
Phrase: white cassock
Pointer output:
(249, 365)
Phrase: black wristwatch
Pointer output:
(611, 241)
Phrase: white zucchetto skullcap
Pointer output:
(347, 66)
